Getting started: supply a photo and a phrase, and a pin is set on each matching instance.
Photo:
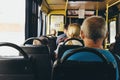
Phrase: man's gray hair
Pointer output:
(94, 28)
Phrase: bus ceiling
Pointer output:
(51, 5)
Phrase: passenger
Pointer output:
(36, 42)
(93, 32)
(115, 47)
(72, 32)
(42, 41)
(111, 47)
(62, 37)
(53, 33)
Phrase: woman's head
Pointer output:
(42, 41)
(37, 42)
(73, 30)
(53, 32)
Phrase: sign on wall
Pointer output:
(57, 22)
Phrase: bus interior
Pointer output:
(24, 23)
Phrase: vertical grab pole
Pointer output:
(97, 9)
(66, 5)
(106, 23)
(107, 14)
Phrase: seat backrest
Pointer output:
(72, 70)
(17, 67)
(117, 57)
(34, 50)
(64, 69)
(79, 41)
(63, 48)
(41, 60)
(29, 41)
(51, 43)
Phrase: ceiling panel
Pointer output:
(53, 7)
(86, 5)
(89, 5)
(55, 2)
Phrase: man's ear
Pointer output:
(82, 34)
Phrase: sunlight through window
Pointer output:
(12, 21)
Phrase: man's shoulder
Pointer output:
(103, 51)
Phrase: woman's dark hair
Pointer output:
(66, 26)
(44, 40)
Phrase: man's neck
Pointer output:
(90, 43)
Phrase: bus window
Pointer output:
(112, 31)
(44, 24)
(12, 21)
(39, 22)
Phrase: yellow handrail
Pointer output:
(66, 5)
(97, 10)
(106, 24)
(114, 3)
(107, 13)
(66, 8)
